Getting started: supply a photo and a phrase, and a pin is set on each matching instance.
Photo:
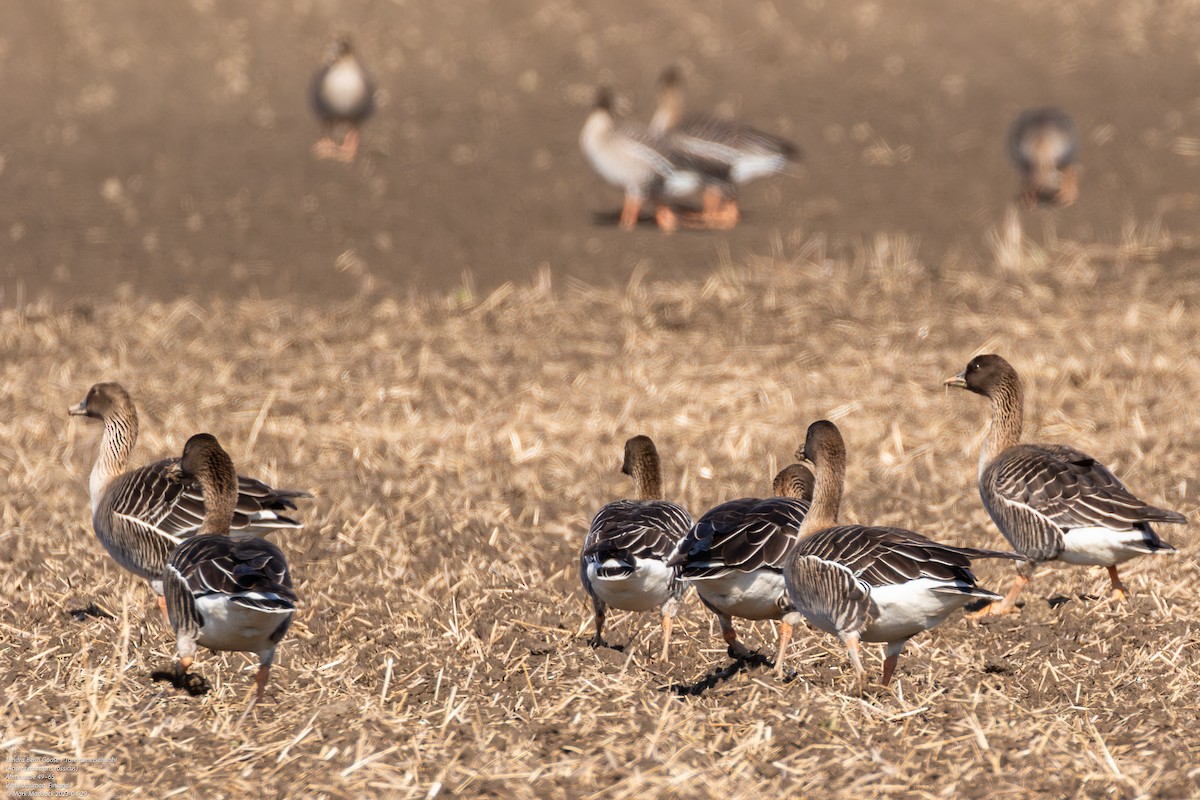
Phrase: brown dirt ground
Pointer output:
(166, 228)
(166, 145)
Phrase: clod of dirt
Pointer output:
(195, 685)
(90, 610)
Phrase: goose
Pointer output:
(870, 584)
(638, 162)
(794, 480)
(1044, 145)
(225, 590)
(742, 154)
(734, 556)
(1053, 503)
(623, 563)
(141, 515)
(341, 93)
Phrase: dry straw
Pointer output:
(458, 446)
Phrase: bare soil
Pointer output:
(166, 146)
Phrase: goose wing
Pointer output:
(252, 572)
(726, 141)
(882, 556)
(741, 535)
(628, 529)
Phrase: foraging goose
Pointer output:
(341, 93)
(623, 563)
(794, 480)
(225, 592)
(639, 163)
(742, 153)
(140, 516)
(870, 584)
(1044, 144)
(734, 555)
(1052, 502)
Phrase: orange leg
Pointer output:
(162, 607)
(349, 146)
(1006, 606)
(1068, 188)
(736, 648)
(785, 636)
(665, 218)
(260, 682)
(1119, 592)
(629, 212)
(666, 625)
(860, 675)
(889, 666)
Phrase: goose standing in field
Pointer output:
(734, 556)
(225, 591)
(870, 584)
(141, 515)
(743, 154)
(623, 563)
(341, 93)
(1052, 502)
(639, 163)
(1044, 144)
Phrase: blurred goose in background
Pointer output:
(623, 563)
(738, 153)
(1052, 502)
(142, 515)
(225, 592)
(870, 584)
(341, 93)
(1044, 144)
(734, 556)
(639, 163)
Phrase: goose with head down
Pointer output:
(734, 555)
(141, 515)
(341, 94)
(865, 583)
(1044, 145)
(1053, 503)
(623, 563)
(225, 592)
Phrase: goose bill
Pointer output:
(959, 380)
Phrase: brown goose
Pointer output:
(141, 515)
(737, 153)
(623, 563)
(341, 93)
(638, 162)
(1052, 502)
(734, 556)
(1044, 144)
(870, 584)
(794, 480)
(225, 592)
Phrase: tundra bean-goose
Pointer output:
(623, 563)
(141, 515)
(1044, 145)
(638, 162)
(734, 556)
(870, 584)
(341, 93)
(742, 154)
(225, 591)
(1052, 502)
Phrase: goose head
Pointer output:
(104, 400)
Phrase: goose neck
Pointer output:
(116, 447)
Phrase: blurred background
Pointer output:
(164, 148)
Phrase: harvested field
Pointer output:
(457, 446)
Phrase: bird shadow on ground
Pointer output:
(195, 685)
(719, 675)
